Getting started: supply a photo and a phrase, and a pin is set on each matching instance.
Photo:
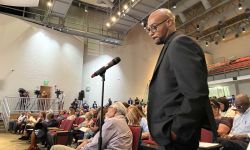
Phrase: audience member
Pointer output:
(224, 124)
(15, 123)
(116, 133)
(94, 105)
(130, 101)
(136, 117)
(40, 132)
(238, 138)
(72, 115)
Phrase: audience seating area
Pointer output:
(229, 65)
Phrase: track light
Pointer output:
(243, 30)
(174, 6)
(86, 9)
(142, 23)
(240, 6)
(132, 1)
(223, 38)
(237, 35)
(124, 14)
(119, 13)
(198, 27)
(206, 44)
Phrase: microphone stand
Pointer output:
(101, 118)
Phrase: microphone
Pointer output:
(104, 68)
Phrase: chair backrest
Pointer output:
(136, 131)
(206, 136)
(78, 120)
(68, 125)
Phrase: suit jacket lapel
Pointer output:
(163, 51)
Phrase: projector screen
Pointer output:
(20, 3)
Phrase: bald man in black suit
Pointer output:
(178, 104)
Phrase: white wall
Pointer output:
(36, 54)
(131, 76)
(237, 47)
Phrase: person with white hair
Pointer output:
(115, 132)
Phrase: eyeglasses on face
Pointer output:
(153, 28)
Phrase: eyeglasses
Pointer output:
(239, 106)
(154, 27)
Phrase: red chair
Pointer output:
(61, 135)
(78, 120)
(206, 136)
(136, 131)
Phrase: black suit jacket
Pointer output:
(178, 92)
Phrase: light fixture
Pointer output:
(108, 24)
(243, 30)
(197, 26)
(125, 7)
(113, 19)
(206, 44)
(240, 6)
(197, 38)
(237, 35)
(174, 6)
(132, 1)
(86, 9)
(223, 38)
(49, 3)
(142, 23)
(124, 14)
(216, 42)
(119, 13)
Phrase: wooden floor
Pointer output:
(9, 141)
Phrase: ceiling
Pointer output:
(214, 17)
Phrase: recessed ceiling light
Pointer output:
(119, 13)
(108, 24)
(125, 7)
(49, 4)
(113, 19)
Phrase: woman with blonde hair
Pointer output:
(136, 117)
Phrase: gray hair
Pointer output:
(120, 108)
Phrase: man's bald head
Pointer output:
(161, 23)
(242, 102)
(162, 13)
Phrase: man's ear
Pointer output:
(169, 22)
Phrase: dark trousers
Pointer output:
(233, 144)
(191, 144)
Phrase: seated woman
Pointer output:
(39, 134)
(72, 115)
(115, 132)
(136, 117)
(224, 124)
(83, 127)
(31, 124)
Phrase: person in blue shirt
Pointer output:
(130, 101)
(94, 105)
(239, 136)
